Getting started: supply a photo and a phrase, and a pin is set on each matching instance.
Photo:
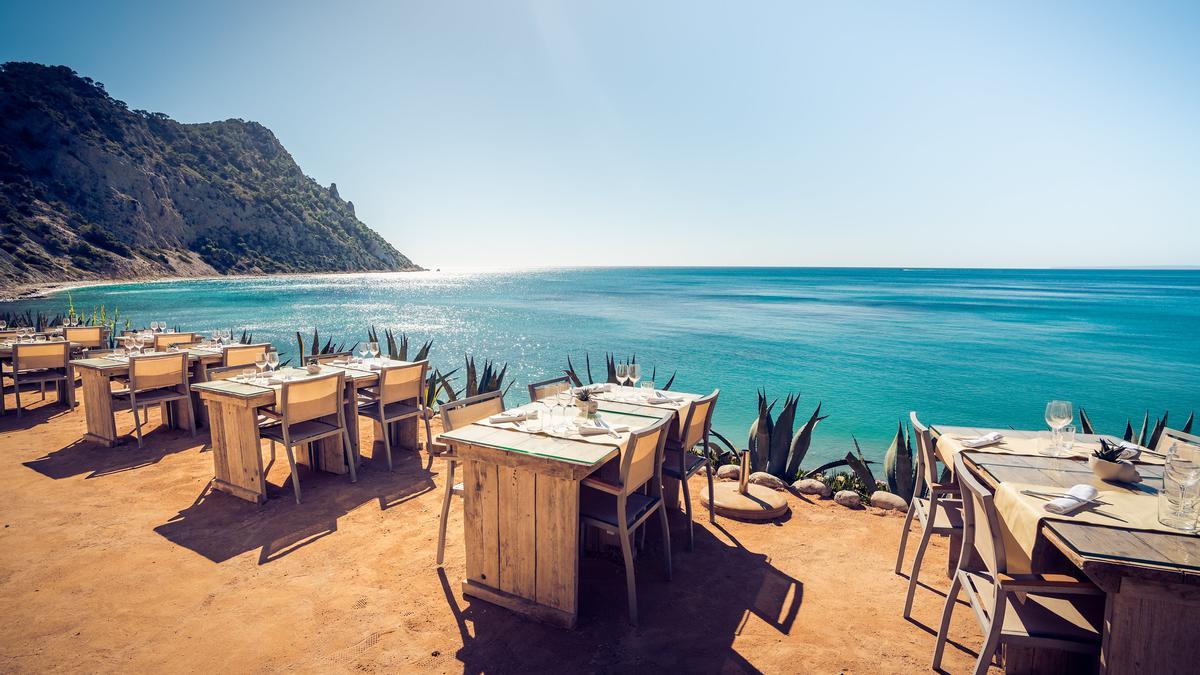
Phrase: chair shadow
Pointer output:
(219, 526)
(716, 590)
(90, 458)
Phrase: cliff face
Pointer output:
(90, 189)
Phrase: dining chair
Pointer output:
(620, 508)
(940, 513)
(310, 409)
(87, 337)
(42, 363)
(154, 380)
(1170, 437)
(457, 414)
(164, 340)
(398, 396)
(1051, 611)
(243, 355)
(550, 387)
(681, 463)
(329, 357)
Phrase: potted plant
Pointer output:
(587, 404)
(1107, 464)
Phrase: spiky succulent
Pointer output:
(1109, 451)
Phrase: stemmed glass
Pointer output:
(272, 360)
(363, 352)
(1058, 415)
(3, 325)
(622, 374)
(1177, 501)
(153, 326)
(261, 364)
(635, 374)
(374, 349)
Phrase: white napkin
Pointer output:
(513, 417)
(593, 388)
(664, 397)
(1080, 495)
(986, 439)
(594, 429)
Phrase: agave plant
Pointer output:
(861, 468)
(488, 379)
(1141, 438)
(772, 445)
(316, 348)
(610, 366)
(899, 466)
(398, 348)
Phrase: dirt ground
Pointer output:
(122, 559)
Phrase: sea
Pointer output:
(964, 346)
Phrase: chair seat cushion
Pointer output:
(949, 514)
(692, 463)
(150, 396)
(300, 431)
(391, 411)
(42, 375)
(1077, 618)
(602, 507)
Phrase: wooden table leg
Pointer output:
(199, 374)
(1150, 627)
(327, 453)
(97, 399)
(237, 457)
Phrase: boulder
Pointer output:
(767, 480)
(812, 486)
(729, 472)
(882, 499)
(848, 498)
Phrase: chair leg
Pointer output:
(993, 637)
(916, 568)
(43, 390)
(666, 534)
(349, 451)
(687, 507)
(137, 425)
(17, 392)
(630, 582)
(387, 444)
(904, 534)
(445, 511)
(712, 514)
(951, 599)
(295, 475)
(191, 415)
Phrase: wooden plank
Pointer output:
(540, 465)
(517, 531)
(557, 523)
(237, 457)
(473, 520)
(97, 406)
(518, 604)
(1152, 629)
(485, 478)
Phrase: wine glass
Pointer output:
(363, 352)
(260, 362)
(128, 342)
(374, 347)
(3, 324)
(1177, 500)
(635, 374)
(622, 374)
(153, 326)
(273, 360)
(1058, 415)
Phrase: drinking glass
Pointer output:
(153, 326)
(1066, 440)
(363, 352)
(622, 374)
(162, 326)
(374, 347)
(1058, 415)
(247, 375)
(3, 325)
(555, 422)
(272, 360)
(648, 388)
(1179, 499)
(261, 363)
(635, 373)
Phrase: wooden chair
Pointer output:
(940, 513)
(680, 463)
(456, 414)
(1052, 611)
(243, 355)
(154, 380)
(398, 396)
(309, 410)
(40, 363)
(620, 508)
(164, 340)
(327, 358)
(546, 388)
(87, 337)
(1170, 437)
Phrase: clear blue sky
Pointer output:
(516, 133)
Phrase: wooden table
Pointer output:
(97, 375)
(233, 426)
(1151, 579)
(521, 515)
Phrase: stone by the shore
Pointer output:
(729, 472)
(848, 498)
(812, 486)
(882, 499)
(767, 480)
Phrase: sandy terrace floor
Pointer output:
(122, 559)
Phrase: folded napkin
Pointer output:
(593, 388)
(520, 416)
(595, 429)
(1077, 496)
(986, 439)
(663, 397)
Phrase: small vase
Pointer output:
(1121, 471)
(587, 409)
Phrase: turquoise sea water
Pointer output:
(979, 347)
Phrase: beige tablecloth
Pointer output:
(598, 439)
(1018, 442)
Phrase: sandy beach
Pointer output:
(122, 559)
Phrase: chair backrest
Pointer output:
(981, 525)
(310, 398)
(8, 335)
(243, 355)
(641, 458)
(1170, 437)
(927, 466)
(326, 358)
(555, 385)
(39, 355)
(88, 337)
(156, 371)
(699, 420)
(457, 414)
(164, 340)
(223, 373)
(403, 383)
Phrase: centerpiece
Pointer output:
(1108, 463)
(586, 402)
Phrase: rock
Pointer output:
(848, 498)
(767, 480)
(729, 472)
(812, 486)
(882, 499)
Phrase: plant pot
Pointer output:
(587, 408)
(1121, 471)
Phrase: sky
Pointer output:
(485, 133)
